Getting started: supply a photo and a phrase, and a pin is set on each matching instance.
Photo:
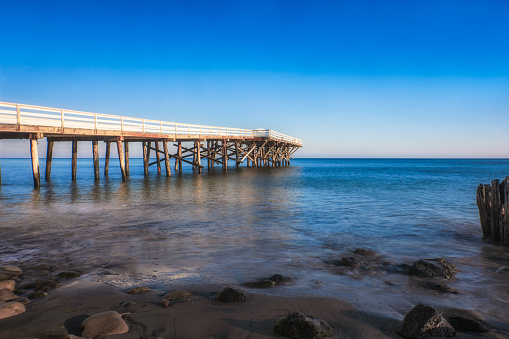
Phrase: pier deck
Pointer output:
(260, 147)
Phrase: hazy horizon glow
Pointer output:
(350, 78)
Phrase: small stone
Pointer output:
(105, 323)
(10, 271)
(351, 262)
(177, 295)
(128, 304)
(6, 295)
(165, 303)
(68, 275)
(230, 295)
(467, 324)
(22, 300)
(365, 252)
(297, 325)
(425, 321)
(280, 279)
(503, 269)
(37, 295)
(11, 308)
(7, 285)
(46, 285)
(4, 276)
(431, 268)
(440, 287)
(260, 284)
(139, 289)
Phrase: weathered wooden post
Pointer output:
(126, 151)
(145, 159)
(107, 158)
(493, 204)
(198, 155)
(35, 160)
(121, 159)
(166, 158)
(208, 155)
(158, 158)
(180, 156)
(95, 150)
(74, 158)
(49, 158)
(225, 155)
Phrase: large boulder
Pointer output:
(425, 321)
(9, 271)
(11, 308)
(105, 323)
(230, 295)
(6, 295)
(297, 325)
(7, 285)
(431, 268)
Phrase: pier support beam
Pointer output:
(179, 154)
(49, 159)
(166, 158)
(126, 146)
(198, 155)
(35, 161)
(107, 158)
(121, 159)
(158, 158)
(145, 159)
(225, 156)
(74, 158)
(95, 150)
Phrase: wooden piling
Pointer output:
(145, 159)
(166, 158)
(493, 204)
(209, 160)
(225, 156)
(126, 151)
(158, 158)
(49, 158)
(237, 162)
(95, 150)
(121, 159)
(198, 156)
(35, 161)
(107, 158)
(179, 156)
(74, 158)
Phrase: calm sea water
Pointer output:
(253, 222)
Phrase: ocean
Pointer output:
(250, 223)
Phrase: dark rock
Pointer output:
(9, 271)
(22, 300)
(440, 287)
(42, 267)
(467, 324)
(68, 275)
(297, 325)
(177, 295)
(504, 269)
(102, 324)
(37, 295)
(351, 262)
(365, 252)
(165, 303)
(425, 321)
(431, 268)
(280, 279)
(46, 285)
(139, 289)
(260, 284)
(230, 295)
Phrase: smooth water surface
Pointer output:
(250, 223)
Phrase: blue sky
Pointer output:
(350, 78)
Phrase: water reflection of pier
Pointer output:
(193, 143)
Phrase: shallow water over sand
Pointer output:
(253, 222)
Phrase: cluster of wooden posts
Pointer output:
(493, 204)
(216, 152)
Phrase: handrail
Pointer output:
(21, 114)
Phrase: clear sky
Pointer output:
(350, 78)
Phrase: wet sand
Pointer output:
(62, 311)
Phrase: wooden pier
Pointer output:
(194, 143)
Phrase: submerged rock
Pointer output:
(68, 275)
(351, 262)
(431, 268)
(46, 285)
(165, 303)
(297, 325)
(105, 323)
(467, 324)
(177, 295)
(440, 287)
(280, 279)
(37, 295)
(365, 252)
(230, 295)
(11, 308)
(139, 289)
(260, 284)
(424, 321)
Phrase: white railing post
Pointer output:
(160, 127)
(200, 130)
(143, 130)
(122, 124)
(188, 130)
(95, 122)
(18, 117)
(175, 129)
(62, 119)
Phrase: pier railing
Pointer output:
(29, 115)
